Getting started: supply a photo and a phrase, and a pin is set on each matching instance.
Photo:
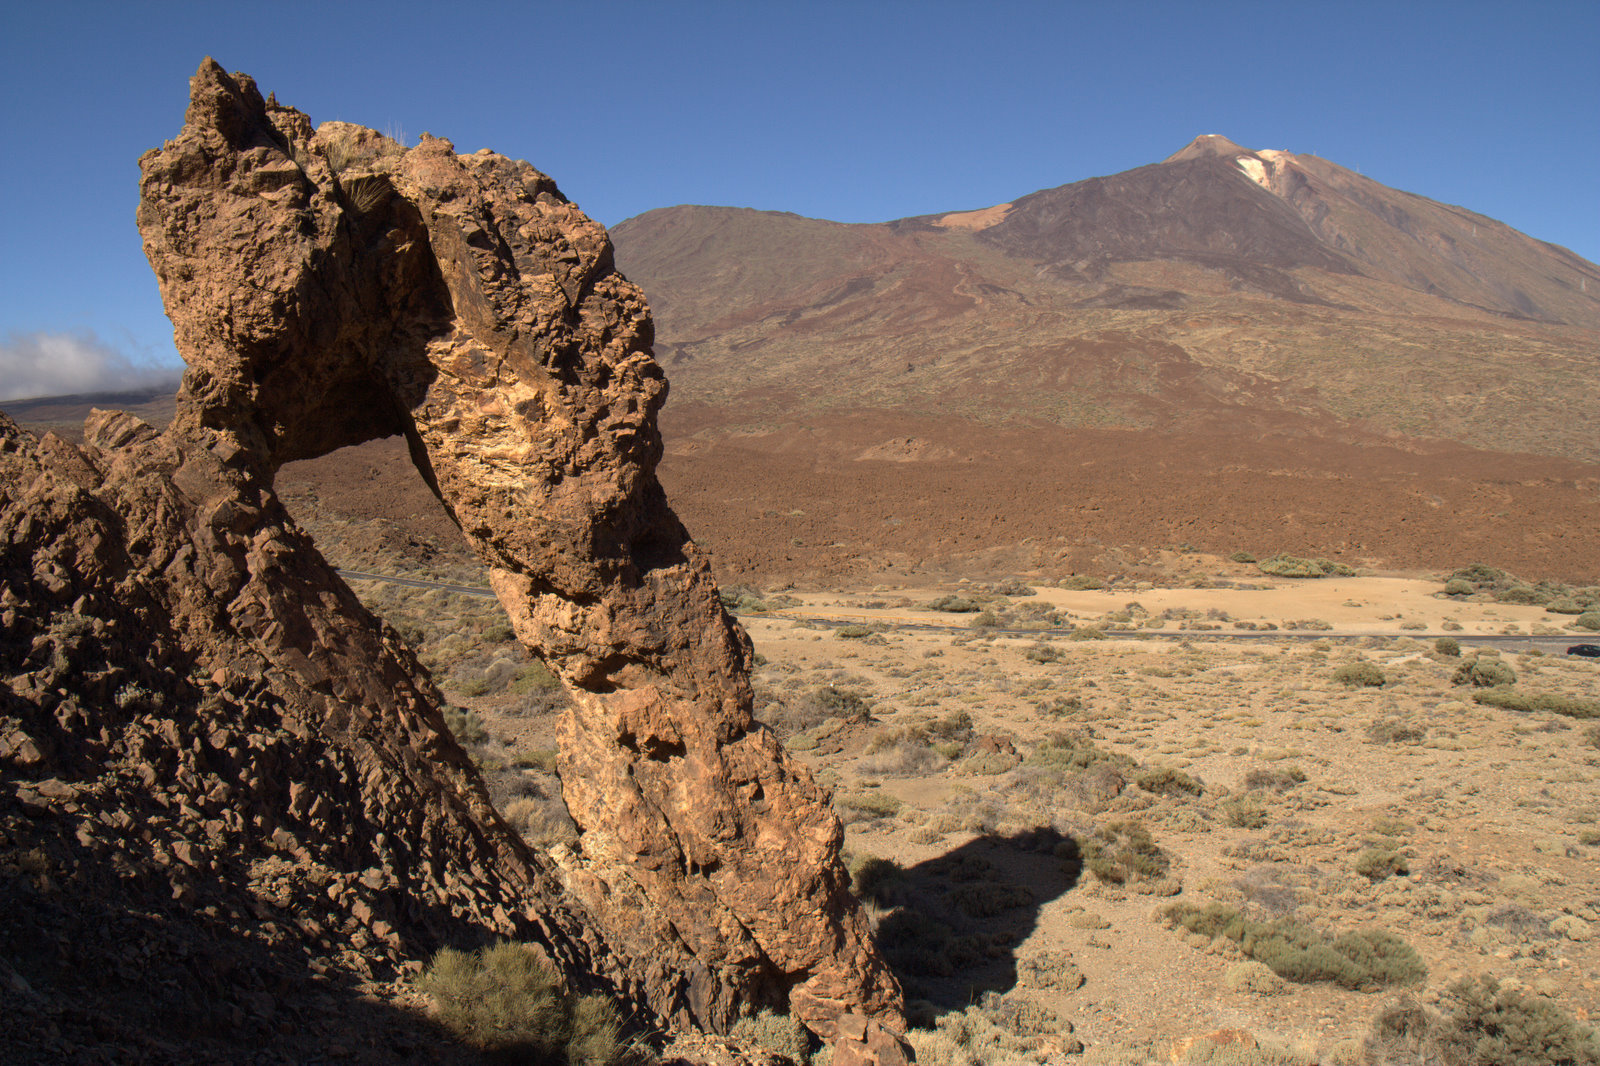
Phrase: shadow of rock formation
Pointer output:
(955, 922)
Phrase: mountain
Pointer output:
(1264, 312)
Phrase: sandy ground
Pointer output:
(942, 768)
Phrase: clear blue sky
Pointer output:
(856, 111)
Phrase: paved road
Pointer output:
(1549, 645)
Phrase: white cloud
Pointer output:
(61, 364)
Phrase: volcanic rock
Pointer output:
(176, 647)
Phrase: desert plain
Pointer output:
(984, 755)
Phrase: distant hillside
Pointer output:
(1345, 367)
(1221, 285)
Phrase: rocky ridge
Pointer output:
(175, 646)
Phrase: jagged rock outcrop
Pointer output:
(327, 287)
(220, 773)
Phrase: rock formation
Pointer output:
(326, 287)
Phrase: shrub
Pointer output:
(541, 822)
(1479, 575)
(1241, 557)
(1483, 673)
(1124, 851)
(985, 620)
(1293, 566)
(1244, 811)
(1589, 620)
(1448, 646)
(1296, 951)
(872, 877)
(535, 677)
(1082, 583)
(1487, 1025)
(1276, 780)
(955, 605)
(1360, 674)
(1394, 731)
(1564, 605)
(1169, 782)
(852, 632)
(1073, 752)
(1526, 595)
(465, 726)
(1378, 864)
(783, 1033)
(508, 999)
(1459, 587)
(865, 806)
(1511, 700)
(1591, 736)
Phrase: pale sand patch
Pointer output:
(982, 218)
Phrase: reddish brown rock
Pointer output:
(329, 286)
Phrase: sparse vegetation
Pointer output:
(1378, 864)
(1513, 700)
(1169, 782)
(1296, 951)
(1123, 852)
(507, 999)
(1484, 1024)
(1483, 673)
(1360, 674)
(1293, 566)
(1448, 647)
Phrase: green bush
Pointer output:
(1124, 851)
(985, 620)
(1511, 700)
(1378, 864)
(1564, 605)
(852, 632)
(1525, 595)
(1073, 752)
(955, 605)
(864, 806)
(1459, 587)
(1483, 673)
(1589, 620)
(872, 877)
(1448, 646)
(1244, 811)
(508, 999)
(1294, 566)
(783, 1033)
(1169, 782)
(1486, 1025)
(465, 726)
(1296, 951)
(1480, 576)
(1360, 674)
(535, 677)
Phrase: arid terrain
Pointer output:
(976, 765)
(1167, 579)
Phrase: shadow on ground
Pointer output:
(954, 923)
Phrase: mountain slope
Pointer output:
(1221, 297)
